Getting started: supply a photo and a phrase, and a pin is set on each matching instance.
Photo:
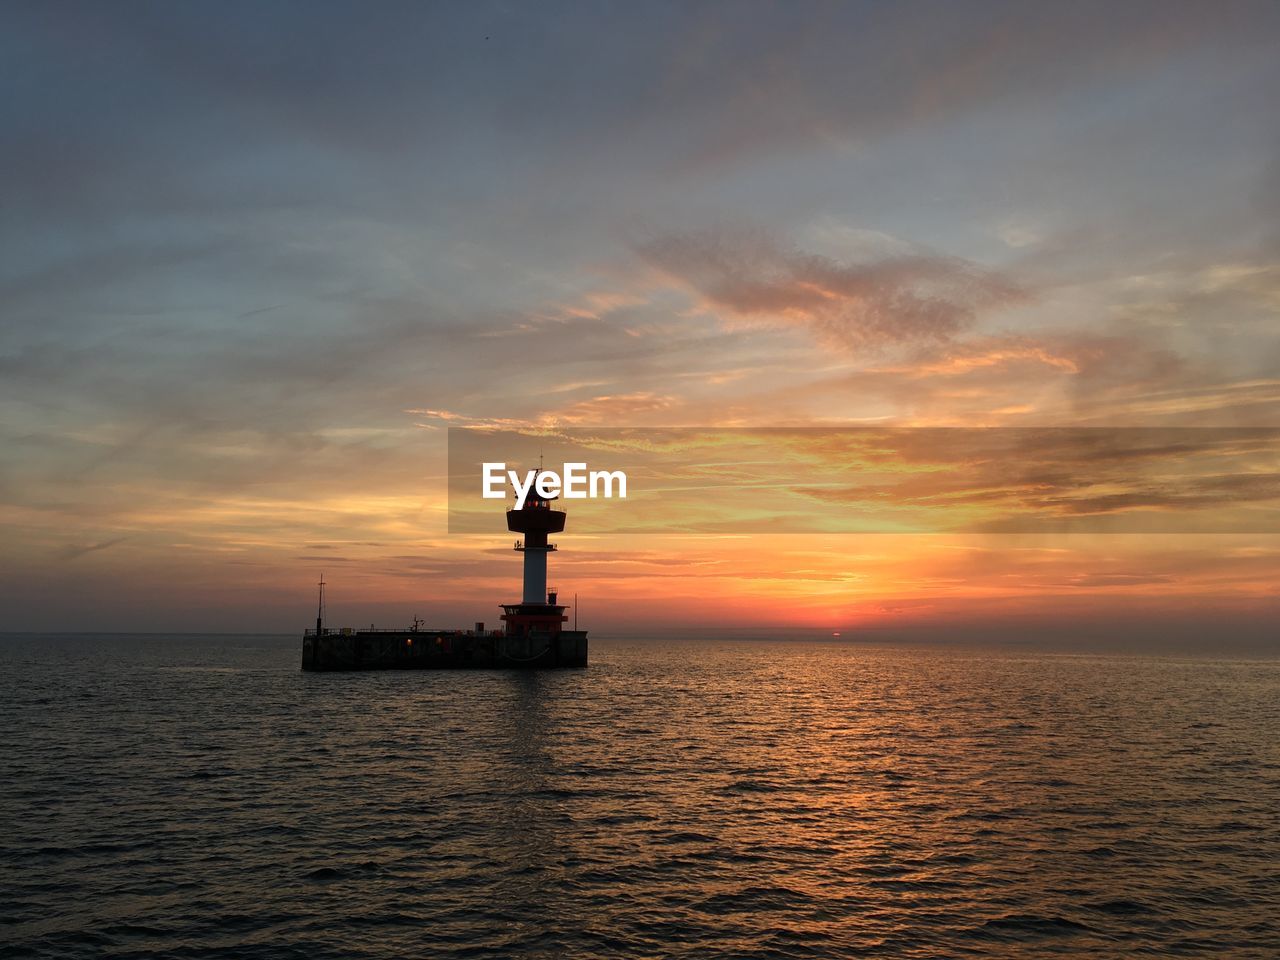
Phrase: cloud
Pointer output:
(986, 354)
(745, 277)
(1026, 476)
(73, 553)
(618, 408)
(1118, 579)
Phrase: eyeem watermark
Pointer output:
(877, 479)
(577, 483)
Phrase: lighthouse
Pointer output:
(537, 614)
(533, 637)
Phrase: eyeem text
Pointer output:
(576, 483)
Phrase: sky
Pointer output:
(256, 259)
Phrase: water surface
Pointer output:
(199, 797)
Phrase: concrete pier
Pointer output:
(440, 650)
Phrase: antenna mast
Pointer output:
(320, 609)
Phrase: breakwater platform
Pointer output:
(410, 649)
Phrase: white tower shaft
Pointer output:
(535, 574)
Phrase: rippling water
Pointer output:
(202, 797)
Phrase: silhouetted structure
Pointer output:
(533, 635)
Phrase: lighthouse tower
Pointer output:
(537, 614)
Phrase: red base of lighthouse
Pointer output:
(533, 619)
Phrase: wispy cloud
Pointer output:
(748, 277)
(73, 553)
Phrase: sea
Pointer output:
(200, 796)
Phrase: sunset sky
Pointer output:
(258, 258)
